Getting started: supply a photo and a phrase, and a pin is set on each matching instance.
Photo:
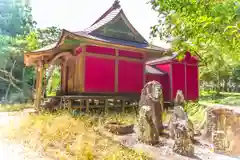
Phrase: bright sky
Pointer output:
(76, 15)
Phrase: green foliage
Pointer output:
(15, 18)
(18, 34)
(195, 111)
(54, 82)
(209, 28)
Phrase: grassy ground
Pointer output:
(14, 107)
(223, 98)
(62, 136)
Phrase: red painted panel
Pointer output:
(130, 54)
(178, 78)
(164, 81)
(164, 67)
(99, 75)
(130, 78)
(192, 83)
(100, 50)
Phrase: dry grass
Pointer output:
(14, 107)
(65, 137)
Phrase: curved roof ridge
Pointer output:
(115, 5)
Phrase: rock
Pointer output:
(149, 124)
(183, 144)
(146, 131)
(219, 141)
(179, 99)
(119, 128)
(179, 114)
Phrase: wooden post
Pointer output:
(123, 106)
(106, 105)
(87, 106)
(39, 86)
(64, 78)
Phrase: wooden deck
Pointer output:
(87, 101)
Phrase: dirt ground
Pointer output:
(164, 152)
(10, 150)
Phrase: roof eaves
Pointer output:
(153, 70)
(90, 37)
(50, 47)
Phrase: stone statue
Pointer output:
(183, 144)
(179, 114)
(219, 141)
(179, 99)
(149, 124)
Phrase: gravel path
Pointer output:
(10, 150)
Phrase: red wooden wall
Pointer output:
(164, 81)
(183, 75)
(130, 77)
(99, 74)
(100, 71)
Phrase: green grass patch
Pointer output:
(226, 98)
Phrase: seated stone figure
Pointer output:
(179, 114)
(183, 144)
(149, 124)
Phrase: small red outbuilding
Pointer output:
(175, 75)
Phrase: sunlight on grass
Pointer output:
(63, 137)
(225, 98)
(196, 112)
(14, 107)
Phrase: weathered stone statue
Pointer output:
(181, 128)
(183, 144)
(178, 115)
(149, 124)
(219, 141)
(179, 99)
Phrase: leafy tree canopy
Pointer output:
(210, 28)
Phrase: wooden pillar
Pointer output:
(44, 80)
(116, 71)
(36, 86)
(87, 106)
(39, 85)
(64, 74)
(123, 106)
(106, 106)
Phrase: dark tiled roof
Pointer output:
(114, 6)
(112, 13)
(163, 59)
(152, 70)
(119, 41)
(107, 17)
